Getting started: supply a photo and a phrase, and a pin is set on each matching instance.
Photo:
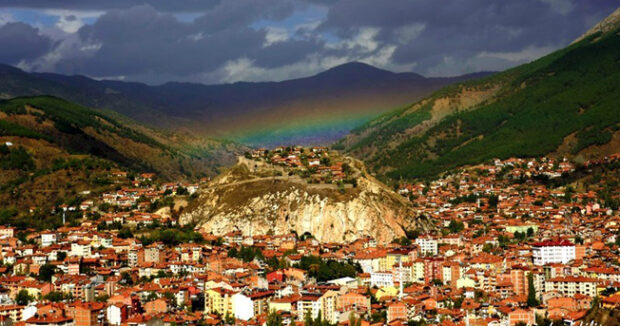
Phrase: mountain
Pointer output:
(317, 109)
(249, 198)
(566, 103)
(57, 148)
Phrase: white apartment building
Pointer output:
(427, 245)
(48, 239)
(571, 285)
(381, 279)
(308, 304)
(242, 306)
(80, 249)
(547, 252)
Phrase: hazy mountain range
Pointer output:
(314, 110)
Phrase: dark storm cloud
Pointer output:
(285, 53)
(141, 40)
(162, 5)
(149, 40)
(462, 29)
(19, 41)
(243, 13)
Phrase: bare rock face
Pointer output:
(608, 24)
(240, 200)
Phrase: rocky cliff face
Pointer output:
(242, 200)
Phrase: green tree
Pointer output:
(102, 298)
(493, 201)
(354, 321)
(54, 296)
(126, 278)
(46, 272)
(530, 232)
(229, 319)
(23, 298)
(274, 319)
(532, 301)
(61, 255)
(456, 226)
(125, 233)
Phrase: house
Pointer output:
(88, 314)
(396, 311)
(59, 319)
(156, 306)
(521, 316)
(117, 313)
(48, 238)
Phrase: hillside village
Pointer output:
(476, 184)
(513, 245)
(315, 164)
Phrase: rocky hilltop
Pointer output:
(258, 198)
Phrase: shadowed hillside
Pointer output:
(565, 103)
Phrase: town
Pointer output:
(315, 165)
(514, 242)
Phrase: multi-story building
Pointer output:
(571, 285)
(7, 232)
(151, 254)
(309, 304)
(427, 245)
(219, 300)
(242, 306)
(381, 279)
(48, 239)
(132, 257)
(328, 307)
(547, 252)
(521, 316)
(396, 311)
(354, 300)
(88, 314)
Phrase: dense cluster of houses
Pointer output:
(317, 161)
(504, 251)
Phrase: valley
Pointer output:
(327, 189)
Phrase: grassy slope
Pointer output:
(61, 148)
(78, 129)
(574, 90)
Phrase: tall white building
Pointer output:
(308, 304)
(547, 252)
(48, 239)
(427, 245)
(381, 279)
(242, 306)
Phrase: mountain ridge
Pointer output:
(260, 113)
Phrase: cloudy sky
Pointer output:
(214, 41)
